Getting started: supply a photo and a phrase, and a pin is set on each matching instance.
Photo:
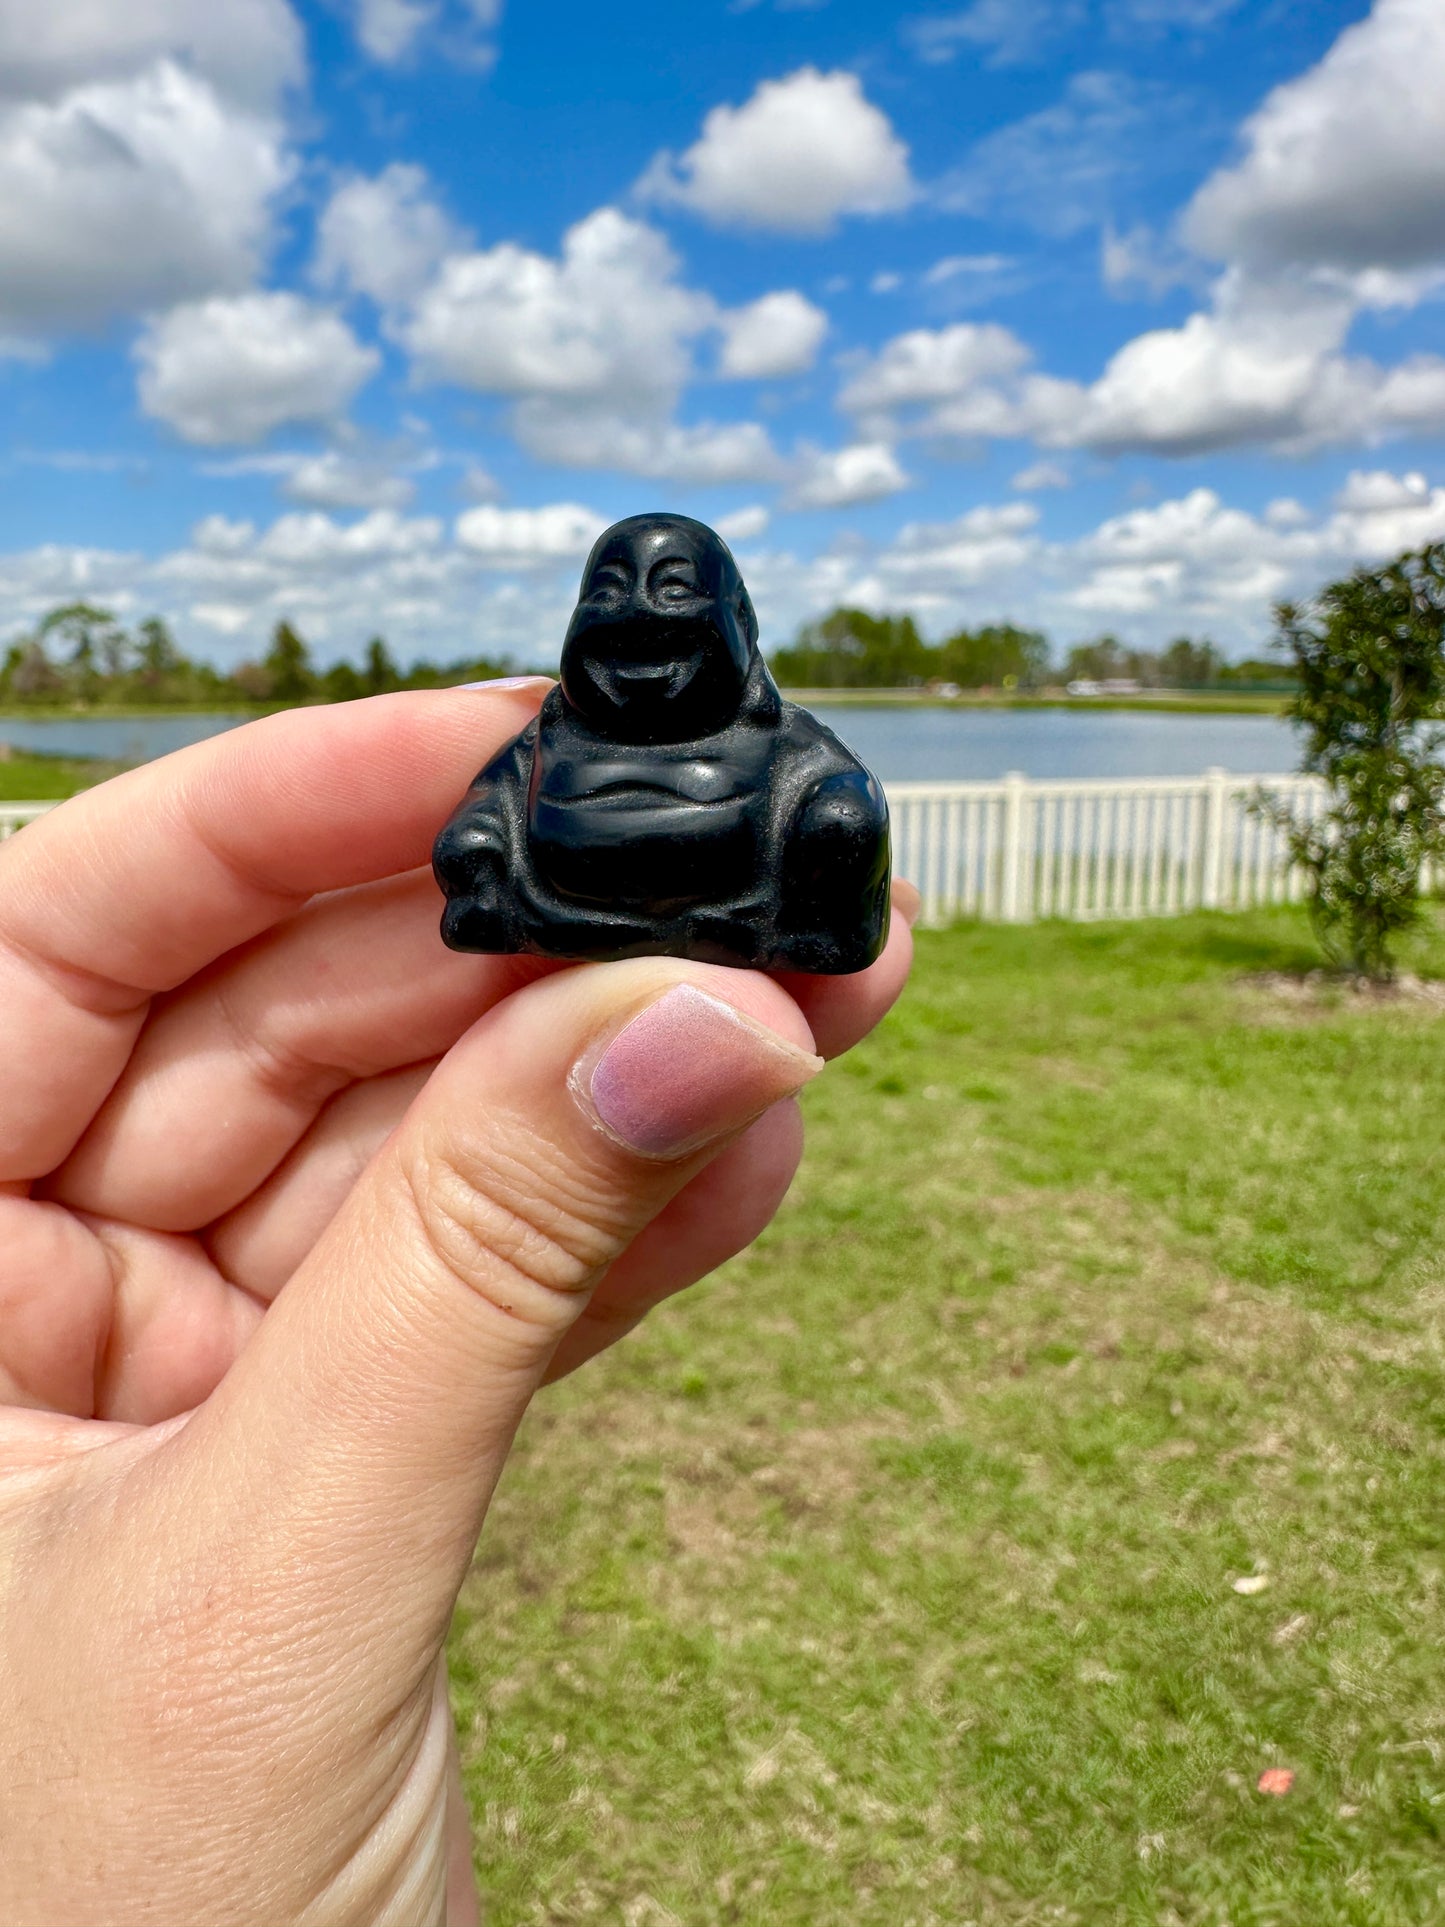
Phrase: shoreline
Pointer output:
(1175, 702)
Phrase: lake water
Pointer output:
(901, 745)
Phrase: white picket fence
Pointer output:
(1017, 850)
(14, 815)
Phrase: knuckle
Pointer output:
(516, 1228)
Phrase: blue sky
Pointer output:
(1098, 314)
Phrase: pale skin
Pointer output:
(298, 1211)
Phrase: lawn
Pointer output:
(39, 779)
(891, 1578)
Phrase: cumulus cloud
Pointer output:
(609, 318)
(795, 158)
(969, 382)
(1343, 167)
(780, 334)
(841, 477)
(248, 50)
(743, 525)
(1265, 366)
(130, 193)
(595, 347)
(529, 538)
(232, 369)
(384, 235)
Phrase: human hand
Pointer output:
(297, 1211)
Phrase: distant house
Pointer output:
(1106, 686)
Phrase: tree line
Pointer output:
(83, 656)
(851, 649)
(79, 655)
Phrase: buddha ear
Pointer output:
(747, 616)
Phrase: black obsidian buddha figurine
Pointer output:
(667, 801)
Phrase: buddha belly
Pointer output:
(646, 851)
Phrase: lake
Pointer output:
(901, 745)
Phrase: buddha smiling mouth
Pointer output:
(646, 682)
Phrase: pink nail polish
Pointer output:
(688, 1071)
(508, 682)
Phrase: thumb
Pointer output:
(364, 1428)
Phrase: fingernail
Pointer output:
(687, 1071)
(508, 682)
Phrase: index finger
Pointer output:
(133, 887)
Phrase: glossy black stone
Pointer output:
(667, 801)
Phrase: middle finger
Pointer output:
(231, 1071)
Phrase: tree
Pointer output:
(851, 649)
(381, 675)
(1370, 657)
(288, 667)
(995, 657)
(1101, 661)
(1186, 664)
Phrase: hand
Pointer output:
(297, 1211)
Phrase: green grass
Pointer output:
(39, 779)
(888, 1578)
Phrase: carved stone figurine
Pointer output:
(667, 801)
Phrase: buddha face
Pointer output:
(661, 644)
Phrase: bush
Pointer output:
(1369, 653)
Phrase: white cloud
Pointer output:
(506, 579)
(249, 50)
(388, 29)
(743, 525)
(1378, 514)
(956, 267)
(984, 542)
(608, 320)
(1345, 166)
(840, 477)
(780, 334)
(1265, 366)
(529, 538)
(127, 194)
(969, 382)
(929, 365)
(233, 369)
(642, 444)
(332, 479)
(801, 153)
(595, 347)
(391, 31)
(1041, 475)
(384, 235)
(1010, 31)
(1138, 260)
